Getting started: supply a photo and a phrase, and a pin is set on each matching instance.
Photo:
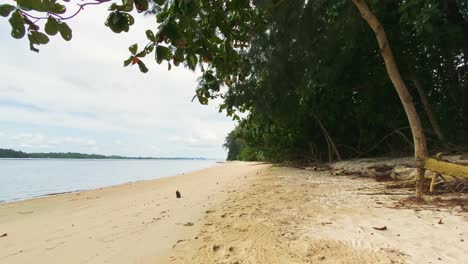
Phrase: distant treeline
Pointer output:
(9, 153)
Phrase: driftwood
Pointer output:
(378, 172)
(444, 167)
(441, 166)
(380, 228)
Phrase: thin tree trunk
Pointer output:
(329, 141)
(428, 109)
(420, 147)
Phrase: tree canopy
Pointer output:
(309, 74)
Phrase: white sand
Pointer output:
(234, 213)
(130, 223)
(295, 216)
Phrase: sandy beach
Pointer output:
(236, 212)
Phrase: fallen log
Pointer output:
(443, 167)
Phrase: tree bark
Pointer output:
(428, 109)
(420, 147)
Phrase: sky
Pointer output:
(77, 97)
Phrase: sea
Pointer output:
(28, 178)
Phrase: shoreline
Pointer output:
(216, 163)
(128, 223)
(238, 212)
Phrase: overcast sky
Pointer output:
(76, 96)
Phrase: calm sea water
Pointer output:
(22, 179)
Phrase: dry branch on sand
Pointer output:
(401, 173)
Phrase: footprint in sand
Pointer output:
(216, 248)
(176, 243)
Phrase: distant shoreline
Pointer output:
(123, 158)
(14, 154)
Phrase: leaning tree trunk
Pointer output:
(420, 147)
(330, 143)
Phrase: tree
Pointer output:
(419, 138)
(296, 66)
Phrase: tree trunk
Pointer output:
(420, 147)
(329, 142)
(428, 109)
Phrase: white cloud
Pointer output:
(86, 93)
(39, 141)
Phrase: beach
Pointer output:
(236, 212)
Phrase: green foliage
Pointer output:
(293, 65)
(234, 145)
(9, 153)
(119, 22)
(21, 20)
(313, 64)
(248, 153)
(6, 9)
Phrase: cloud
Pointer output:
(79, 90)
(39, 141)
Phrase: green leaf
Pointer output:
(201, 98)
(141, 54)
(192, 61)
(141, 5)
(52, 26)
(17, 24)
(126, 6)
(150, 35)
(133, 48)
(31, 5)
(149, 48)
(188, 7)
(31, 46)
(163, 53)
(171, 30)
(128, 61)
(65, 31)
(142, 67)
(55, 8)
(160, 2)
(119, 22)
(6, 9)
(37, 37)
(179, 56)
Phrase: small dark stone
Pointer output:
(177, 194)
